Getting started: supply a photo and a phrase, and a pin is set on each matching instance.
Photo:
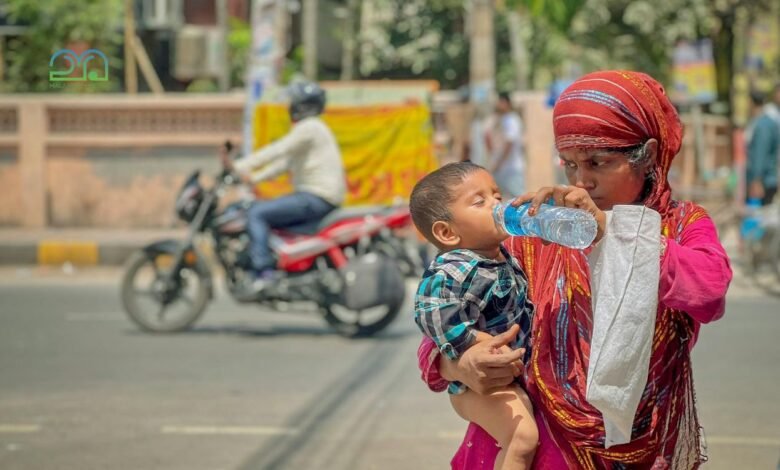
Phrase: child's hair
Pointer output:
(431, 197)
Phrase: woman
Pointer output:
(617, 134)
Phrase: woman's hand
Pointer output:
(486, 366)
(566, 196)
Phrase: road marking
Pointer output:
(228, 430)
(94, 317)
(19, 428)
(743, 441)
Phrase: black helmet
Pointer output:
(306, 99)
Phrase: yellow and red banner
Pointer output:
(386, 148)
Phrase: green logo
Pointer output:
(82, 62)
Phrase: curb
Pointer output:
(58, 252)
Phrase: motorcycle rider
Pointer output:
(311, 155)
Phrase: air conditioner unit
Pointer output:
(198, 53)
(161, 14)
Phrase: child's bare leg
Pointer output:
(507, 415)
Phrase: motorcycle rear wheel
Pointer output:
(350, 324)
(142, 313)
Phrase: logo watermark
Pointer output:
(78, 67)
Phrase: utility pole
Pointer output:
(310, 14)
(269, 45)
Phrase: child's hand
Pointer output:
(503, 349)
(517, 366)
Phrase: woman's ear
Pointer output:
(651, 149)
(445, 234)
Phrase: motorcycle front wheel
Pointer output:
(156, 303)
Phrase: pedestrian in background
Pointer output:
(763, 146)
(506, 147)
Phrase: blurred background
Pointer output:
(107, 107)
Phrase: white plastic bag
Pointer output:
(625, 270)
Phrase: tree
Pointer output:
(58, 24)
(416, 39)
(538, 28)
(725, 27)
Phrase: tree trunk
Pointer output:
(310, 13)
(482, 58)
(723, 47)
(350, 40)
(519, 53)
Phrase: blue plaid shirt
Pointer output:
(462, 293)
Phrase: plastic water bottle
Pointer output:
(565, 226)
(751, 228)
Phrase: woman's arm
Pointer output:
(695, 273)
(482, 367)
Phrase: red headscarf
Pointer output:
(621, 109)
(614, 109)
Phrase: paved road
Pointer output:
(81, 388)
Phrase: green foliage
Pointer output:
(293, 66)
(239, 41)
(417, 39)
(202, 85)
(57, 24)
(558, 14)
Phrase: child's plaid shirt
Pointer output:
(462, 293)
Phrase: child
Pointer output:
(473, 290)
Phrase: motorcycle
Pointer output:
(349, 265)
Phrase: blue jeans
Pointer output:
(286, 211)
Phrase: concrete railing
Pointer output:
(51, 145)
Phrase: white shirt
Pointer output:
(512, 128)
(507, 129)
(311, 155)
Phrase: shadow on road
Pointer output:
(257, 331)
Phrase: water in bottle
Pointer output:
(565, 226)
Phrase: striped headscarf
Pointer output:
(621, 109)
